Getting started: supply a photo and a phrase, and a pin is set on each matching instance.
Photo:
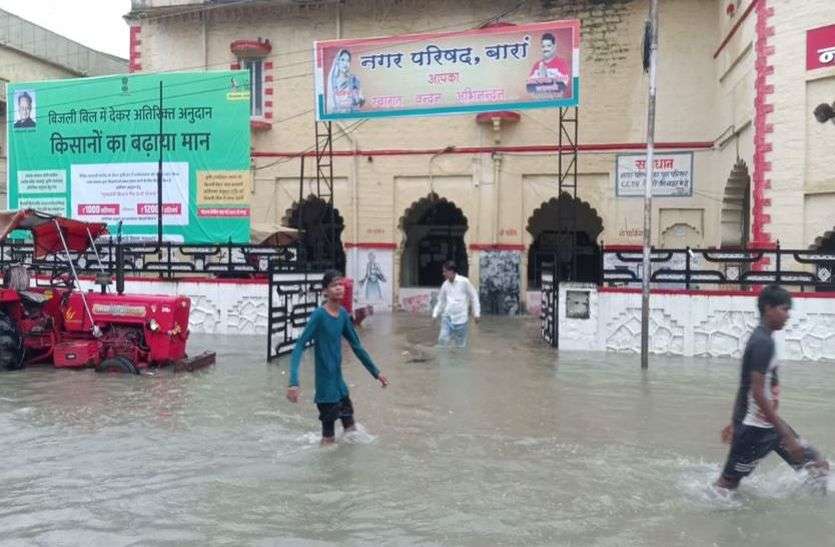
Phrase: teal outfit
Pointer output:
(327, 332)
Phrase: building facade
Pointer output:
(734, 102)
(29, 53)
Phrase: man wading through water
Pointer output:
(454, 307)
(326, 326)
(756, 429)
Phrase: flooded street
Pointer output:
(504, 444)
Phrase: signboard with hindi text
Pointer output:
(89, 149)
(672, 175)
(507, 67)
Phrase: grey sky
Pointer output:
(97, 24)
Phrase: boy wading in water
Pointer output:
(756, 429)
(326, 326)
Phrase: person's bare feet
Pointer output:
(722, 482)
(327, 441)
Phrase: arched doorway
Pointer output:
(321, 232)
(552, 243)
(736, 208)
(434, 231)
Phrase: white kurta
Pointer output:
(454, 299)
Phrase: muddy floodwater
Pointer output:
(507, 443)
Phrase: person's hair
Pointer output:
(331, 276)
(549, 36)
(24, 95)
(450, 266)
(342, 52)
(773, 296)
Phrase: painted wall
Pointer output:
(418, 301)
(499, 287)
(372, 272)
(694, 324)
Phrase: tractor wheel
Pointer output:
(11, 344)
(117, 365)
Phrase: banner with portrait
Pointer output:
(90, 148)
(485, 70)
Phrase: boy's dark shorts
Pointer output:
(330, 412)
(751, 444)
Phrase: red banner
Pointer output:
(820, 47)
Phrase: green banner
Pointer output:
(90, 149)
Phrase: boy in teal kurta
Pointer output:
(326, 326)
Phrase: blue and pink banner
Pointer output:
(507, 67)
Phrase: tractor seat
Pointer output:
(30, 297)
(16, 278)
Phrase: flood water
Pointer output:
(507, 443)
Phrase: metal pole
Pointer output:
(653, 54)
(159, 177)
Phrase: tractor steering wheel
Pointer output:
(61, 278)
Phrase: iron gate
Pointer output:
(293, 297)
(550, 308)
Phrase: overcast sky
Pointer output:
(97, 24)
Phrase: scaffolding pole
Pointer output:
(646, 272)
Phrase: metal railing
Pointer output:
(744, 267)
(171, 260)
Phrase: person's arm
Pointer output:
(775, 389)
(534, 71)
(358, 98)
(298, 350)
(441, 304)
(738, 414)
(350, 334)
(330, 91)
(769, 411)
(758, 388)
(471, 292)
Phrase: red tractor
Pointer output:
(60, 324)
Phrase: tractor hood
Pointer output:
(45, 230)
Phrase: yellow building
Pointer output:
(733, 92)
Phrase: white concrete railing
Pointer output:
(217, 306)
(690, 323)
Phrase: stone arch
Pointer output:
(433, 231)
(736, 208)
(547, 226)
(322, 245)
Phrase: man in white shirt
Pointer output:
(453, 306)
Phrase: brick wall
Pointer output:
(802, 179)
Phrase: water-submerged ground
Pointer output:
(507, 443)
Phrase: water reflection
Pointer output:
(505, 443)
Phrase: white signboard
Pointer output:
(672, 175)
(109, 192)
